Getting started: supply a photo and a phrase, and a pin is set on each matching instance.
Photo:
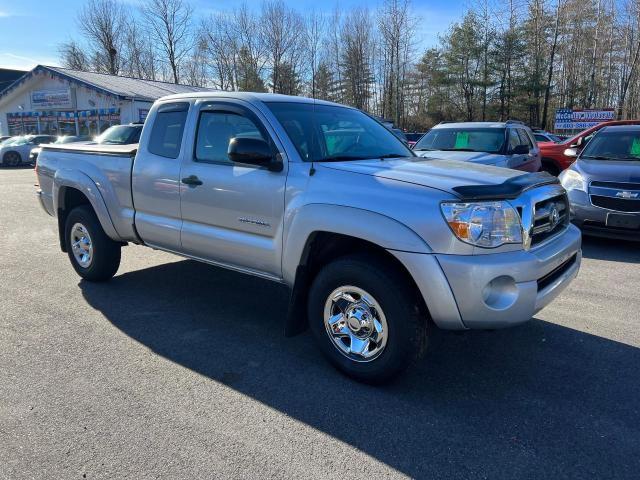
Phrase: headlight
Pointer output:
(484, 224)
(572, 180)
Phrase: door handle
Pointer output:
(192, 181)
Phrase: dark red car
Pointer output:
(553, 158)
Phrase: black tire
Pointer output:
(396, 296)
(105, 258)
(11, 159)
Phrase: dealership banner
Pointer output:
(569, 119)
(53, 98)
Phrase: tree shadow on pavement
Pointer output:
(536, 401)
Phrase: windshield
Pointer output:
(17, 141)
(620, 145)
(328, 133)
(120, 135)
(488, 140)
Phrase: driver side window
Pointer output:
(215, 131)
(514, 139)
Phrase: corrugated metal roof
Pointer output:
(125, 87)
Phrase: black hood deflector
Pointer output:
(508, 190)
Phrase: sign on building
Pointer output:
(54, 98)
(569, 119)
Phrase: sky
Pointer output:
(31, 30)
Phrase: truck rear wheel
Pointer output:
(92, 253)
(366, 318)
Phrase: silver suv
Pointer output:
(509, 144)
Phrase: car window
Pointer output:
(614, 145)
(514, 139)
(334, 133)
(540, 138)
(490, 140)
(167, 130)
(215, 131)
(524, 138)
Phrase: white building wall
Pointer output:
(86, 99)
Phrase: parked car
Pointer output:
(61, 140)
(542, 136)
(17, 150)
(373, 241)
(553, 158)
(604, 183)
(503, 144)
(412, 138)
(4, 138)
(120, 135)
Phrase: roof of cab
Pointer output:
(249, 96)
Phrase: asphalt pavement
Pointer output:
(176, 369)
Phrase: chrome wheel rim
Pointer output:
(81, 245)
(355, 323)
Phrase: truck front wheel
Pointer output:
(92, 253)
(366, 318)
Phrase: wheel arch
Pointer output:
(73, 188)
(307, 249)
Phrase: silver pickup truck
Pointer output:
(375, 243)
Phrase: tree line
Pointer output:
(504, 59)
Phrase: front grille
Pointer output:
(551, 216)
(617, 196)
(616, 185)
(617, 204)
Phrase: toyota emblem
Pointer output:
(554, 217)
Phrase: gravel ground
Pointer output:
(176, 369)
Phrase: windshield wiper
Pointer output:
(424, 149)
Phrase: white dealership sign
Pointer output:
(53, 98)
(569, 119)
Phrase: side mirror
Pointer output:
(253, 151)
(571, 152)
(520, 150)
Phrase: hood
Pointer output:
(440, 174)
(475, 157)
(608, 170)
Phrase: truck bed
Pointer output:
(103, 169)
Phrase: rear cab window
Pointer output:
(168, 129)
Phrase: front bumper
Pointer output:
(495, 290)
(593, 220)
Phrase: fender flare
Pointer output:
(384, 231)
(64, 179)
